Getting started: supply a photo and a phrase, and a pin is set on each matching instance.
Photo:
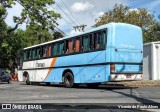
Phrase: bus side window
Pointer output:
(41, 52)
(103, 39)
(66, 47)
(44, 51)
(55, 49)
(70, 46)
(49, 51)
(33, 53)
(30, 54)
(86, 43)
(52, 49)
(77, 45)
(91, 43)
(38, 52)
(61, 48)
(25, 55)
(97, 41)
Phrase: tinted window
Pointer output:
(61, 48)
(103, 39)
(91, 43)
(86, 43)
(38, 52)
(69, 46)
(48, 50)
(33, 53)
(100, 40)
(30, 54)
(77, 44)
(55, 49)
(25, 55)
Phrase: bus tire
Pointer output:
(27, 80)
(68, 80)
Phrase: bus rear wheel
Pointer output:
(68, 80)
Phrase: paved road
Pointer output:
(18, 92)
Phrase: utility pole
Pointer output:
(80, 28)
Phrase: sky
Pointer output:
(85, 11)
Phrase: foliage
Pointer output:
(34, 11)
(139, 17)
(40, 25)
(57, 35)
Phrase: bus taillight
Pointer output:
(112, 67)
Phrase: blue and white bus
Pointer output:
(112, 52)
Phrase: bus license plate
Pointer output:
(128, 76)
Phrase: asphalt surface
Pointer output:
(18, 92)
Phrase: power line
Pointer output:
(57, 27)
(63, 18)
(70, 12)
(61, 31)
(69, 2)
(65, 13)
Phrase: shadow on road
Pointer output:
(107, 87)
(83, 86)
(103, 88)
(138, 98)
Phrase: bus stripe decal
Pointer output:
(52, 64)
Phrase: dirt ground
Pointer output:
(143, 83)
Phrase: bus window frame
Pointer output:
(73, 40)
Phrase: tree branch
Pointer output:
(18, 23)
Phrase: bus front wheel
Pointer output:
(68, 80)
(27, 80)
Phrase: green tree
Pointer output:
(139, 17)
(37, 34)
(34, 34)
(57, 35)
(40, 23)
(3, 25)
(34, 11)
